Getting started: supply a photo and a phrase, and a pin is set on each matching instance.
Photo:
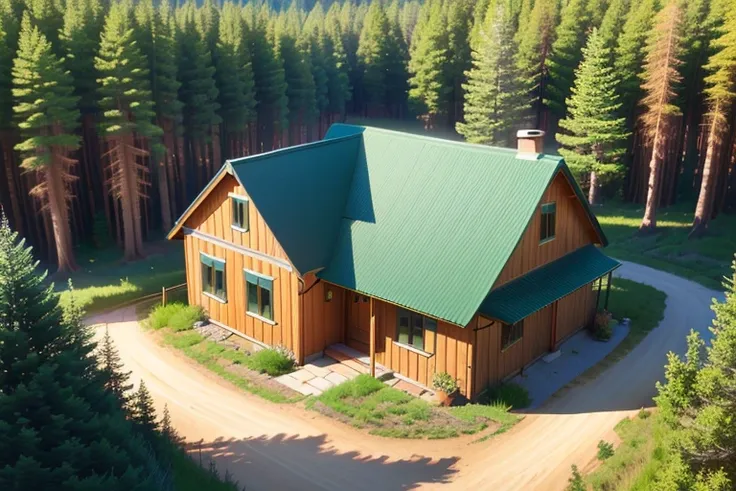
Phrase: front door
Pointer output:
(359, 319)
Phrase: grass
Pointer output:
(705, 260)
(272, 362)
(638, 459)
(508, 395)
(366, 402)
(190, 476)
(104, 281)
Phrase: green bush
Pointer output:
(185, 317)
(177, 316)
(509, 395)
(160, 315)
(601, 328)
(576, 482)
(272, 361)
(605, 450)
(444, 382)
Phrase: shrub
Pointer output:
(160, 315)
(605, 450)
(601, 329)
(576, 482)
(644, 414)
(508, 395)
(271, 361)
(185, 317)
(444, 382)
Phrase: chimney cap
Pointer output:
(529, 133)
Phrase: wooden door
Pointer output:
(359, 323)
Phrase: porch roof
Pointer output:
(525, 295)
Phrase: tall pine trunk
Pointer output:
(54, 178)
(649, 222)
(593, 191)
(703, 209)
(7, 142)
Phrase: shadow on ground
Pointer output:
(290, 462)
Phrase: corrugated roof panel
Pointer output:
(301, 193)
(431, 223)
(515, 300)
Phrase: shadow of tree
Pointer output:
(290, 462)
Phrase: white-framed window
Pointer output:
(549, 217)
(240, 213)
(411, 328)
(213, 276)
(259, 294)
(511, 333)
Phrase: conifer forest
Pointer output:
(114, 114)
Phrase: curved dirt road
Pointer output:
(269, 446)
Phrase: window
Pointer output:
(213, 276)
(240, 213)
(259, 293)
(412, 328)
(511, 333)
(549, 210)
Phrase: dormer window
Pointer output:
(547, 232)
(240, 213)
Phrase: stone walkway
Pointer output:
(551, 373)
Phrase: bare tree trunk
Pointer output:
(216, 149)
(6, 141)
(649, 222)
(54, 177)
(593, 191)
(705, 198)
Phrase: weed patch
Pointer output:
(509, 395)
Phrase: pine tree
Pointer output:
(61, 429)
(339, 90)
(167, 428)
(397, 60)
(566, 54)
(116, 379)
(372, 55)
(235, 81)
(592, 142)
(143, 413)
(430, 58)
(47, 117)
(660, 82)
(408, 19)
(535, 46)
(495, 97)
(127, 126)
(314, 36)
(613, 23)
(720, 93)
(270, 81)
(459, 25)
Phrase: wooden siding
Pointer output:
(213, 216)
(323, 321)
(572, 231)
(576, 311)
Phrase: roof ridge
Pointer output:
(293, 148)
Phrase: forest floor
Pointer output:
(705, 260)
(284, 446)
(105, 281)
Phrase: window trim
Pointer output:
(245, 200)
(215, 260)
(257, 315)
(514, 342)
(543, 214)
(422, 351)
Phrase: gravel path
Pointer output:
(268, 446)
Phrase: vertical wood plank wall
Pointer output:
(214, 216)
(572, 231)
(575, 311)
(324, 322)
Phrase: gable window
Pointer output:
(511, 333)
(213, 277)
(411, 328)
(240, 212)
(259, 295)
(549, 212)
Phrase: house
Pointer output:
(426, 255)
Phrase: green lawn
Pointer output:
(366, 402)
(642, 454)
(104, 281)
(705, 260)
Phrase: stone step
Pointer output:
(356, 364)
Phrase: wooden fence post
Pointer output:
(163, 296)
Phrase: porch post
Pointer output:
(608, 288)
(373, 338)
(598, 295)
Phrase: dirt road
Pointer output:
(268, 446)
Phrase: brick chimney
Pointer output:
(530, 142)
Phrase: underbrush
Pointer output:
(177, 316)
(507, 395)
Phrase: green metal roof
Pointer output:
(525, 295)
(301, 193)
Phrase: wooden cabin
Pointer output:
(426, 255)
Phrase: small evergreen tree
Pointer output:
(116, 379)
(373, 58)
(167, 428)
(495, 97)
(592, 142)
(143, 413)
